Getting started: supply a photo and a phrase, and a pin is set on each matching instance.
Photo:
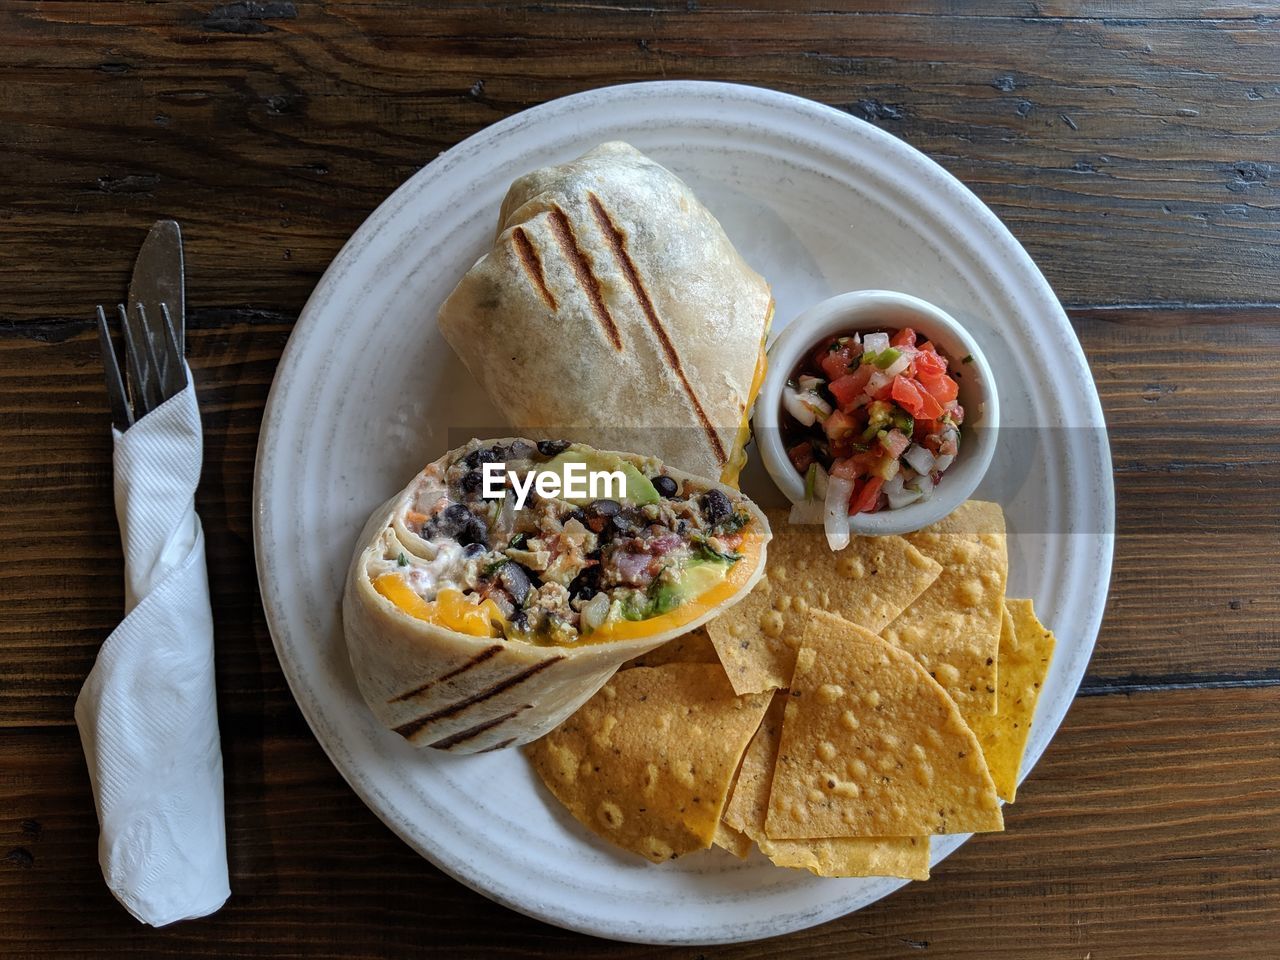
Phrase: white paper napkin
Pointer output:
(147, 713)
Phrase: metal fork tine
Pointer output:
(157, 374)
(133, 363)
(121, 415)
(178, 382)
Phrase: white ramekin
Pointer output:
(886, 310)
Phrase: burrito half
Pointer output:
(614, 309)
(473, 624)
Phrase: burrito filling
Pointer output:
(564, 571)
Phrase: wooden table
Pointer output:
(1131, 146)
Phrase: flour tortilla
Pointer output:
(613, 310)
(440, 688)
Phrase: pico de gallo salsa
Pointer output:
(873, 417)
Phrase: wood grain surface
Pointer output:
(1131, 147)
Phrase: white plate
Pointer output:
(368, 392)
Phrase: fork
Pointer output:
(154, 372)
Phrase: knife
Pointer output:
(158, 279)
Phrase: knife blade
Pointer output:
(157, 279)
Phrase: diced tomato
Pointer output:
(907, 394)
(866, 495)
(925, 427)
(906, 337)
(895, 443)
(820, 352)
(932, 408)
(865, 462)
(839, 424)
(839, 358)
(801, 456)
(929, 364)
(849, 388)
(844, 469)
(943, 388)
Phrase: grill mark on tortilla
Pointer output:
(475, 661)
(408, 730)
(618, 244)
(462, 736)
(500, 746)
(528, 255)
(562, 229)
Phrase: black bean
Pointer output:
(456, 513)
(520, 621)
(473, 550)
(473, 459)
(515, 580)
(586, 584)
(665, 486)
(551, 448)
(603, 508)
(715, 506)
(449, 522)
(627, 522)
(475, 531)
(472, 481)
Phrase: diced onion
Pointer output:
(805, 512)
(875, 342)
(895, 368)
(835, 519)
(894, 484)
(792, 403)
(812, 510)
(903, 498)
(820, 481)
(595, 612)
(506, 523)
(821, 409)
(925, 485)
(919, 459)
(810, 384)
(878, 381)
(941, 463)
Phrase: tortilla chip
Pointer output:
(727, 838)
(906, 857)
(953, 628)
(756, 642)
(1026, 648)
(749, 801)
(646, 763)
(872, 746)
(827, 857)
(869, 583)
(692, 647)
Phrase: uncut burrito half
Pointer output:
(614, 309)
(475, 625)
